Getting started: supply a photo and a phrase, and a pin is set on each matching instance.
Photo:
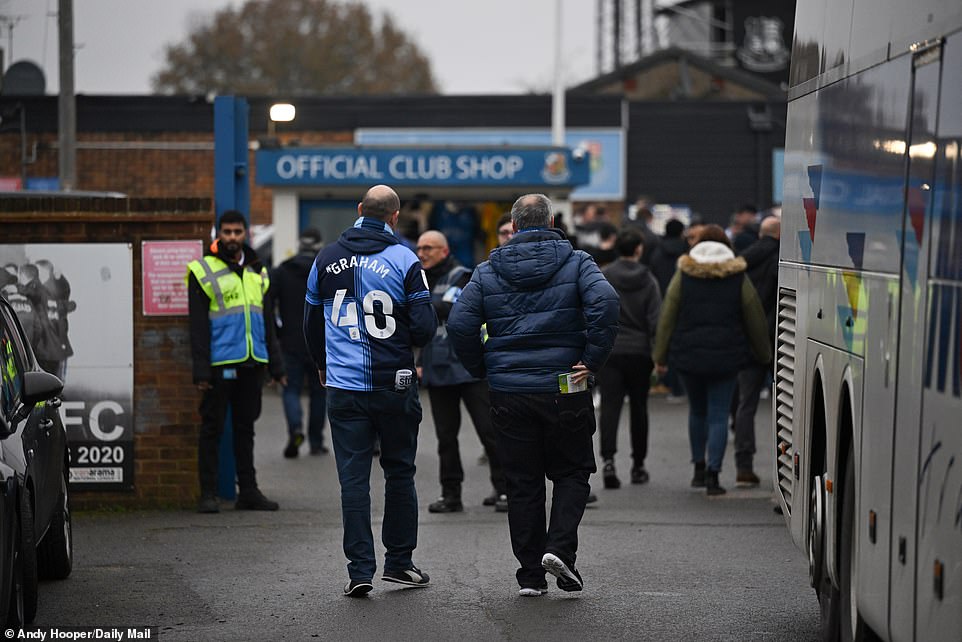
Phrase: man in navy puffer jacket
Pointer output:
(535, 310)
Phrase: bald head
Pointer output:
(432, 248)
(380, 202)
(772, 227)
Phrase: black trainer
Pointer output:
(639, 475)
(358, 588)
(609, 475)
(712, 487)
(446, 505)
(409, 577)
(319, 450)
(208, 504)
(491, 499)
(293, 445)
(501, 506)
(569, 579)
(698, 479)
(254, 500)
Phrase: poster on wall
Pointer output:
(85, 335)
(165, 289)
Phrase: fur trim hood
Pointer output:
(711, 260)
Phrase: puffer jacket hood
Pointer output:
(628, 276)
(711, 260)
(531, 259)
(368, 237)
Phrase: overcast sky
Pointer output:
(475, 46)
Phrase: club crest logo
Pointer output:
(555, 168)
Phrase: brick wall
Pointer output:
(151, 165)
(165, 400)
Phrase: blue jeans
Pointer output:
(709, 404)
(357, 420)
(299, 366)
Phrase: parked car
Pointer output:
(35, 526)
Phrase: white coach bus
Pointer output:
(868, 399)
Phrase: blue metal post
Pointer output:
(231, 192)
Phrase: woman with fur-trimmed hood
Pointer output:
(711, 326)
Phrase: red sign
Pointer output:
(165, 268)
(10, 184)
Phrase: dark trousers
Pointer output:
(243, 395)
(544, 435)
(751, 380)
(299, 366)
(358, 419)
(625, 374)
(446, 409)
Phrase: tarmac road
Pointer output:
(660, 561)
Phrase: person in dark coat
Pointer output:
(448, 383)
(664, 258)
(712, 325)
(289, 285)
(59, 306)
(762, 261)
(537, 319)
(628, 371)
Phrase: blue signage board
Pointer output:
(605, 145)
(422, 167)
(43, 183)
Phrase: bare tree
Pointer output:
(295, 47)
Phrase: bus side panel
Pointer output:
(874, 435)
(914, 233)
(939, 575)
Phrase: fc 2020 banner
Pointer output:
(92, 283)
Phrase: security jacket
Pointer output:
(367, 304)
(229, 314)
(545, 307)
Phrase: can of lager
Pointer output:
(403, 379)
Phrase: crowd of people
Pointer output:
(523, 341)
(40, 295)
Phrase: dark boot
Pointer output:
(610, 475)
(712, 486)
(293, 445)
(446, 505)
(698, 479)
(254, 499)
(208, 503)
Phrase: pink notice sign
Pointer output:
(164, 268)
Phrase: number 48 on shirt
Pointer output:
(344, 314)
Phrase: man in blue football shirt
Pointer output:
(367, 304)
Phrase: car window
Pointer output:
(11, 365)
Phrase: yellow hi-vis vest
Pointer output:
(236, 310)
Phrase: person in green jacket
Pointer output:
(711, 326)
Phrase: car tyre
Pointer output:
(28, 557)
(14, 618)
(55, 553)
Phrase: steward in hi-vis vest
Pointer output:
(231, 343)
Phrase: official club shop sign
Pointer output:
(423, 167)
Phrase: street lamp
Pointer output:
(279, 113)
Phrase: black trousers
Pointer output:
(544, 435)
(446, 410)
(625, 374)
(751, 380)
(243, 395)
